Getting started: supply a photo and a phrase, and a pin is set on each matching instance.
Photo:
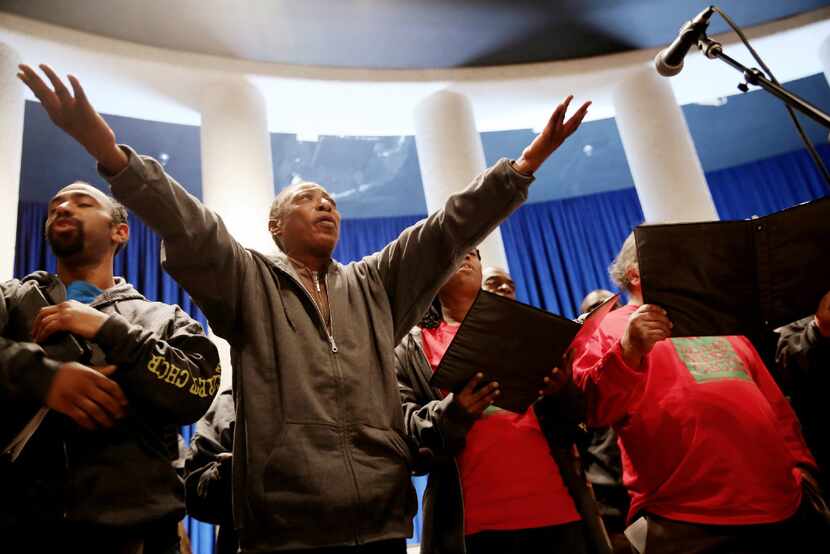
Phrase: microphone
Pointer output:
(669, 60)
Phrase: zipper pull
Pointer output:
(333, 344)
(316, 280)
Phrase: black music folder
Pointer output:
(512, 343)
(737, 277)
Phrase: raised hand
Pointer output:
(86, 395)
(71, 316)
(552, 136)
(75, 115)
(647, 326)
(823, 316)
(473, 402)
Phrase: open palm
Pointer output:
(71, 111)
(554, 134)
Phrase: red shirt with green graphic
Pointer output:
(509, 479)
(706, 435)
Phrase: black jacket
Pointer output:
(802, 361)
(118, 477)
(207, 482)
(433, 423)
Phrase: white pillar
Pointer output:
(450, 155)
(237, 170)
(824, 56)
(663, 160)
(11, 148)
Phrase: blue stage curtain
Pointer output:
(767, 186)
(558, 251)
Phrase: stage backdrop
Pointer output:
(558, 251)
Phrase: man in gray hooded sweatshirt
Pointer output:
(320, 456)
(96, 476)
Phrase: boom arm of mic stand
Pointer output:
(753, 76)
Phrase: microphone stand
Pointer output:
(714, 50)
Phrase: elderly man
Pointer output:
(320, 456)
(712, 453)
(96, 475)
(502, 482)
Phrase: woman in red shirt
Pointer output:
(712, 453)
(495, 486)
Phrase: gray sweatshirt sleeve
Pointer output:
(173, 377)
(25, 370)
(415, 265)
(197, 249)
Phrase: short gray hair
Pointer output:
(627, 257)
(278, 204)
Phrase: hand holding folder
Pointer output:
(513, 344)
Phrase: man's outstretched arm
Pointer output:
(198, 250)
(415, 265)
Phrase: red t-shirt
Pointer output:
(508, 477)
(705, 433)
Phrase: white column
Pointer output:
(450, 155)
(824, 56)
(11, 148)
(663, 160)
(237, 170)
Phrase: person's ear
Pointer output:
(634, 275)
(120, 234)
(275, 227)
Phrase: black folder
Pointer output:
(737, 277)
(512, 343)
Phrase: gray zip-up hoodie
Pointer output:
(320, 454)
(117, 477)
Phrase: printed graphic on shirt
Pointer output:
(710, 359)
(180, 377)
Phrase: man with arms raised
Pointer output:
(320, 456)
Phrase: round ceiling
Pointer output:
(404, 34)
